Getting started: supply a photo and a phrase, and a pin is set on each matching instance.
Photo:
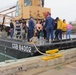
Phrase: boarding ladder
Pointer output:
(18, 31)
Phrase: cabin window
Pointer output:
(17, 9)
(27, 2)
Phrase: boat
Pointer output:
(19, 49)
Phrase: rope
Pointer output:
(39, 50)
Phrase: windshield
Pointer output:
(27, 2)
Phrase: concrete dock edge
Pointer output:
(34, 62)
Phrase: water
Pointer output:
(4, 57)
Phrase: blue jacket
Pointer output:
(49, 23)
(30, 25)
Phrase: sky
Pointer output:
(64, 9)
(6, 3)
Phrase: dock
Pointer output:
(37, 66)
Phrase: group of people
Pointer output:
(47, 28)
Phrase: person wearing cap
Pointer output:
(30, 28)
(49, 26)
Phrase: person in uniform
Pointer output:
(49, 26)
(30, 28)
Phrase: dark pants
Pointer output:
(49, 32)
(30, 34)
(58, 34)
(44, 33)
(38, 34)
(11, 32)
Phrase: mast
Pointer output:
(42, 3)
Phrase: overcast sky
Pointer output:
(65, 9)
(62, 8)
